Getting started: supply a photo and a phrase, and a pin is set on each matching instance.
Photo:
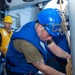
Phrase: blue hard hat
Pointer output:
(48, 18)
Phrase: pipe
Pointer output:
(71, 11)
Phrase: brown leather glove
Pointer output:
(69, 67)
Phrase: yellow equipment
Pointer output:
(8, 19)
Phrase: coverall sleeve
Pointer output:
(30, 52)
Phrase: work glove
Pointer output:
(69, 67)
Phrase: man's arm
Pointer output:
(0, 39)
(47, 70)
(34, 57)
(0, 45)
(4, 53)
(58, 51)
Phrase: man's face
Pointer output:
(45, 36)
(7, 25)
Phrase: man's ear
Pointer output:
(42, 28)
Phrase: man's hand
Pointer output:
(68, 56)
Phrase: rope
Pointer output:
(64, 25)
(69, 62)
